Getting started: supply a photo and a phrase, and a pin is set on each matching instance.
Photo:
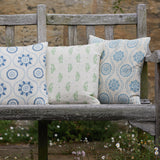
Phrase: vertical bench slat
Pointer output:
(142, 32)
(109, 34)
(41, 23)
(72, 35)
(10, 35)
(90, 30)
(42, 125)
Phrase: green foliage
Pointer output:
(117, 7)
(132, 143)
(10, 133)
(81, 130)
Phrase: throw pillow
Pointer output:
(22, 75)
(120, 69)
(72, 73)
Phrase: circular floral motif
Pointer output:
(123, 99)
(125, 70)
(2, 89)
(37, 47)
(39, 100)
(25, 88)
(113, 44)
(13, 102)
(2, 61)
(12, 49)
(132, 43)
(113, 85)
(118, 56)
(103, 55)
(25, 60)
(38, 73)
(104, 98)
(12, 74)
(134, 86)
(106, 68)
(138, 57)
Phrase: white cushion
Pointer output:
(73, 73)
(120, 69)
(23, 75)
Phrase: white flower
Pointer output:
(18, 135)
(85, 139)
(132, 135)
(103, 157)
(5, 134)
(51, 144)
(105, 146)
(117, 145)
(156, 148)
(22, 128)
(57, 139)
(11, 128)
(55, 134)
(120, 137)
(112, 139)
(156, 153)
(130, 126)
(15, 157)
(74, 152)
(58, 126)
(27, 135)
(1, 138)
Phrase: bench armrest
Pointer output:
(154, 57)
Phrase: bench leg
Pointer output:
(157, 100)
(42, 140)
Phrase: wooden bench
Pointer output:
(145, 116)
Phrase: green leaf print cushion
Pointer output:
(73, 73)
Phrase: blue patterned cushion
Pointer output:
(22, 75)
(120, 69)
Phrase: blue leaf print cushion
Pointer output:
(22, 75)
(120, 69)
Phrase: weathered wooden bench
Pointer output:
(145, 116)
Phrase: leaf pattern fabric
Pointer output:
(72, 73)
(120, 69)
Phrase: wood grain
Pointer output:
(18, 19)
(79, 112)
(91, 19)
(10, 35)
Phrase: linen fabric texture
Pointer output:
(23, 75)
(73, 73)
(120, 69)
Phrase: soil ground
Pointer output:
(56, 152)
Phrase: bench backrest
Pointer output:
(41, 19)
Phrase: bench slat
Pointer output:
(109, 34)
(10, 35)
(90, 30)
(79, 112)
(18, 19)
(91, 19)
(72, 35)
